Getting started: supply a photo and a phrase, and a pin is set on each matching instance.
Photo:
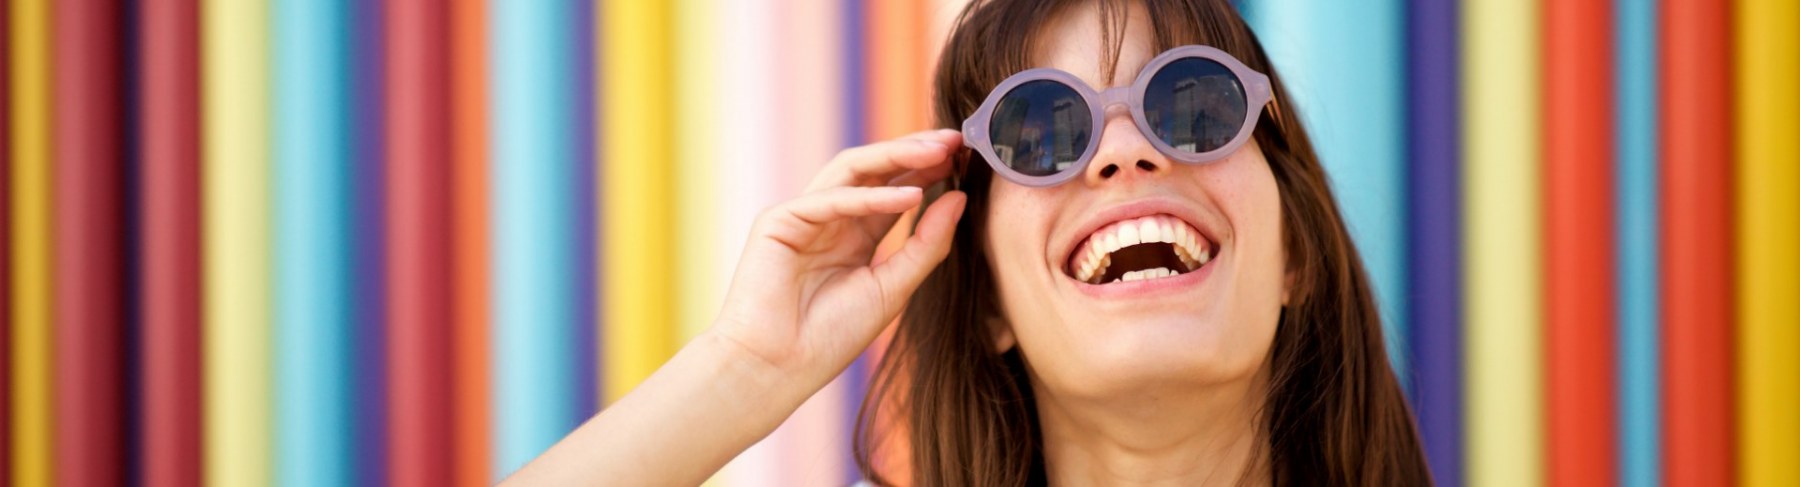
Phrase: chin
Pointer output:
(1157, 351)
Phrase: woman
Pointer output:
(1130, 270)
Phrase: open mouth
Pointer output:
(1150, 247)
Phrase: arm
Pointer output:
(803, 302)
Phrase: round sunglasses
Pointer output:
(1041, 127)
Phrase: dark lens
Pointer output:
(1040, 128)
(1194, 105)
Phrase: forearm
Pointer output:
(697, 412)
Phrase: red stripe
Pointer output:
(170, 257)
(88, 262)
(469, 173)
(1578, 217)
(419, 265)
(1697, 250)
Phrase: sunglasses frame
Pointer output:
(1257, 93)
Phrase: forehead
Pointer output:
(1074, 41)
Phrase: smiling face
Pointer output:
(1095, 316)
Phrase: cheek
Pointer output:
(1014, 240)
(1250, 199)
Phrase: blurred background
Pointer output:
(332, 242)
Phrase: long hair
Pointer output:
(1334, 414)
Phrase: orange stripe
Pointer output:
(469, 252)
(1696, 256)
(1578, 238)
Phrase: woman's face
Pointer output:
(1210, 325)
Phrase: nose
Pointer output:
(1124, 154)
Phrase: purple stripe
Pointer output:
(369, 297)
(855, 133)
(586, 299)
(1434, 226)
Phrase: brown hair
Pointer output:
(1334, 414)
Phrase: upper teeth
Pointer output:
(1096, 253)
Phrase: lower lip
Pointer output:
(1147, 287)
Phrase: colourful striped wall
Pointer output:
(414, 243)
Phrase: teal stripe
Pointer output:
(534, 216)
(1343, 65)
(1639, 409)
(313, 432)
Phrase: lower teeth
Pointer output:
(1156, 273)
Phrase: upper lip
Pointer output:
(1136, 209)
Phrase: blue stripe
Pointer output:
(1639, 427)
(535, 273)
(313, 409)
(369, 295)
(1343, 64)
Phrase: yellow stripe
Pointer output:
(31, 252)
(701, 279)
(639, 319)
(1768, 233)
(235, 76)
(1500, 76)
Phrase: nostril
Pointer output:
(1146, 165)
(1109, 170)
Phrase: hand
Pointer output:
(805, 298)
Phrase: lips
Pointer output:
(1146, 247)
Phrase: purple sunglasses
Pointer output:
(1040, 127)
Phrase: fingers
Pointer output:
(901, 274)
(921, 154)
(798, 222)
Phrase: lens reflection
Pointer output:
(1040, 128)
(1194, 105)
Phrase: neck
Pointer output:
(1157, 436)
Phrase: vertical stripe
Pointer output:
(1768, 226)
(1343, 65)
(533, 241)
(366, 61)
(88, 182)
(750, 128)
(170, 256)
(237, 239)
(6, 247)
(314, 191)
(1578, 243)
(898, 74)
(469, 243)
(1501, 233)
(583, 140)
(636, 79)
(1434, 265)
(854, 122)
(1639, 416)
(418, 248)
(899, 103)
(810, 81)
(701, 279)
(30, 91)
(1696, 231)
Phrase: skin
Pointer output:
(1149, 388)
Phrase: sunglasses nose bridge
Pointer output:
(1120, 96)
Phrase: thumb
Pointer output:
(902, 273)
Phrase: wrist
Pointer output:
(756, 379)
